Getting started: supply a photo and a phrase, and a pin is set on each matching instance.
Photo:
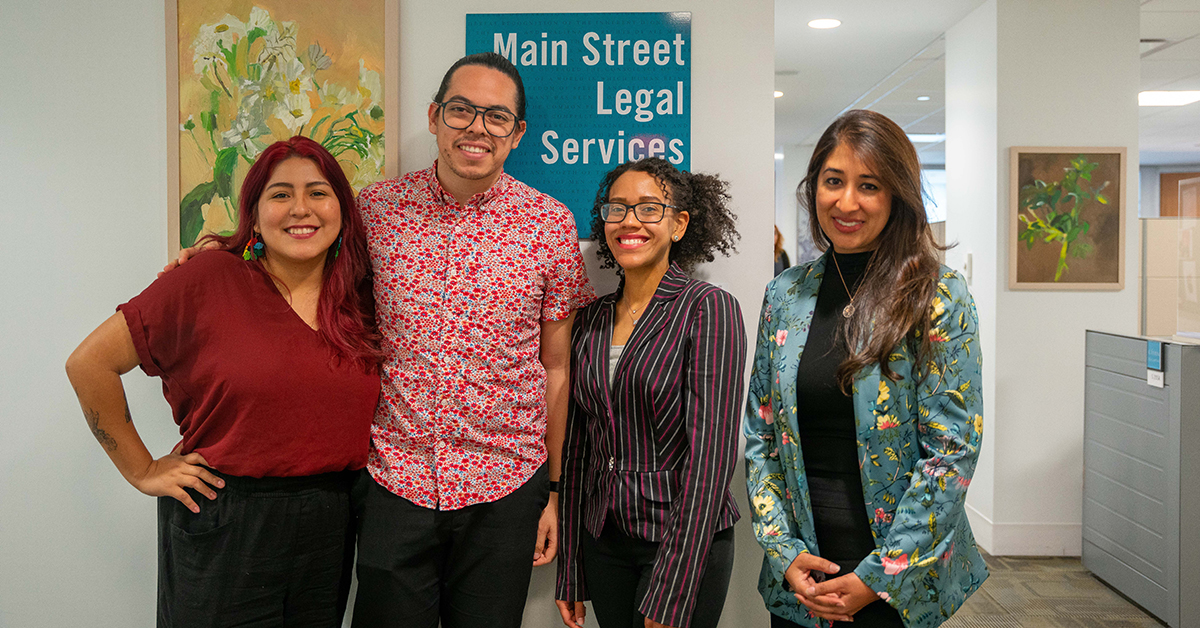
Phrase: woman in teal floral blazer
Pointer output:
(858, 462)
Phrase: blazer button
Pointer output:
(611, 461)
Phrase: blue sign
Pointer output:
(602, 89)
(1154, 355)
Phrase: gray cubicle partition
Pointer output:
(1141, 487)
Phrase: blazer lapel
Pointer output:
(657, 314)
(794, 316)
(599, 350)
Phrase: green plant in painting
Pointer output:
(262, 86)
(1051, 211)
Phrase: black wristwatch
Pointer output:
(553, 486)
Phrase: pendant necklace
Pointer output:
(633, 311)
(847, 311)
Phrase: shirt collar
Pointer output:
(479, 201)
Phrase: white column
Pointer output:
(1035, 73)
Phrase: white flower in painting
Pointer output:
(211, 38)
(369, 83)
(319, 59)
(279, 45)
(338, 96)
(294, 110)
(260, 18)
(293, 79)
(257, 94)
(244, 133)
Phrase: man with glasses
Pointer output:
(477, 277)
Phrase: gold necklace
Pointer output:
(847, 311)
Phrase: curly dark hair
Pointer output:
(712, 227)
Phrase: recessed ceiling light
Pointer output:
(778, 94)
(922, 98)
(1167, 99)
(825, 23)
(778, 155)
(926, 138)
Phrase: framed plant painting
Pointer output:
(1067, 219)
(243, 74)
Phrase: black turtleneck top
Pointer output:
(827, 432)
(828, 438)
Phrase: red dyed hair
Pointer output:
(345, 309)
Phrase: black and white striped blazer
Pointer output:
(657, 449)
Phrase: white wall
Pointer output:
(83, 164)
(971, 189)
(1032, 473)
(789, 215)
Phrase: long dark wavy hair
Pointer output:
(893, 302)
(345, 308)
(712, 226)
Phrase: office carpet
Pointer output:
(1046, 593)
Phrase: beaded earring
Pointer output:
(337, 247)
(254, 248)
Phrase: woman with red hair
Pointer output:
(267, 352)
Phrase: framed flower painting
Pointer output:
(1067, 218)
(243, 74)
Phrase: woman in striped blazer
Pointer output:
(646, 528)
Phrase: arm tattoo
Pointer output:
(93, 421)
(128, 417)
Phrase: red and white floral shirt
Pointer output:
(460, 294)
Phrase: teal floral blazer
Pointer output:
(917, 444)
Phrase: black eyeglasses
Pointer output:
(646, 213)
(460, 115)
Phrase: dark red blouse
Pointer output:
(253, 388)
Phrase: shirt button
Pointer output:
(611, 461)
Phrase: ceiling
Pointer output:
(1170, 135)
(822, 73)
(898, 54)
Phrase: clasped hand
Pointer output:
(834, 599)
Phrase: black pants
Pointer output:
(618, 570)
(466, 567)
(844, 536)
(877, 614)
(268, 552)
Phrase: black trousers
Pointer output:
(618, 570)
(269, 552)
(877, 614)
(844, 536)
(466, 567)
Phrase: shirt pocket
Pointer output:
(658, 486)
